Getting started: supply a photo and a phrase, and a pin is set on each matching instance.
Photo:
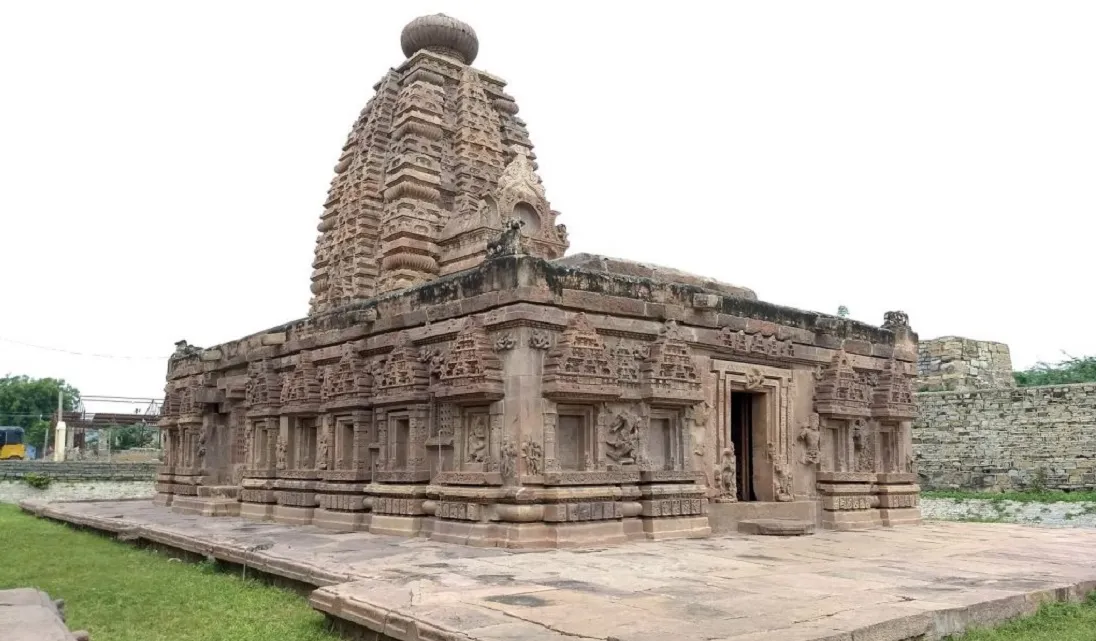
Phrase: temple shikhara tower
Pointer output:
(459, 377)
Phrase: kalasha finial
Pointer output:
(441, 34)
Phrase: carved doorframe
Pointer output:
(772, 384)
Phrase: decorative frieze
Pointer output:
(756, 345)
(586, 511)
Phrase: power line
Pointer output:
(75, 353)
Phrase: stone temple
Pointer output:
(460, 377)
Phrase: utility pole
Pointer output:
(61, 438)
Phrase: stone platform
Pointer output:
(888, 584)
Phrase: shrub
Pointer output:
(1070, 370)
(37, 481)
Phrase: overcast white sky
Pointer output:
(163, 166)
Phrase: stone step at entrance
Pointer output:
(776, 527)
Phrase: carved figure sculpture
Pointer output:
(249, 444)
(895, 320)
(508, 242)
(280, 454)
(531, 453)
(509, 460)
(863, 446)
(540, 339)
(754, 379)
(477, 439)
(505, 341)
(784, 490)
(184, 349)
(727, 473)
(811, 436)
(623, 438)
(323, 448)
(782, 475)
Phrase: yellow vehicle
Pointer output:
(11, 443)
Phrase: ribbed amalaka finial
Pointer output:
(441, 34)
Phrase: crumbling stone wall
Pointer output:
(79, 470)
(956, 363)
(1006, 439)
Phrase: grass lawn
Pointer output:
(122, 593)
(1046, 496)
(1053, 622)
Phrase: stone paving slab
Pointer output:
(28, 614)
(887, 584)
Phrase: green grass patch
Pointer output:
(1046, 496)
(1053, 622)
(122, 593)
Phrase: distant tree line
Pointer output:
(30, 403)
(1071, 370)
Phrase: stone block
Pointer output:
(776, 527)
(397, 525)
(341, 521)
(707, 301)
(292, 515)
(273, 338)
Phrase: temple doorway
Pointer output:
(743, 420)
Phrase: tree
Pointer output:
(31, 402)
(1070, 370)
(842, 311)
(125, 437)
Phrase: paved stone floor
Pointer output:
(877, 585)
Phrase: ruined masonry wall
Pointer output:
(956, 363)
(79, 470)
(1006, 439)
(16, 491)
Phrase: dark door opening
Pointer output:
(742, 418)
